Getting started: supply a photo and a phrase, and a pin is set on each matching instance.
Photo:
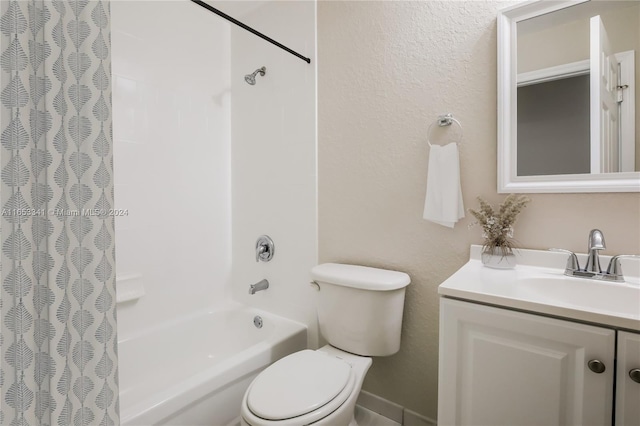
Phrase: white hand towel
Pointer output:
(443, 203)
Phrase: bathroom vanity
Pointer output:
(533, 346)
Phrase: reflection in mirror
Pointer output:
(569, 122)
(553, 127)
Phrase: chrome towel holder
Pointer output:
(444, 121)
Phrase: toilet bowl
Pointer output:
(360, 315)
(308, 387)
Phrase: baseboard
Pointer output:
(411, 418)
(379, 405)
(392, 411)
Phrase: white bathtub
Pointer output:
(195, 371)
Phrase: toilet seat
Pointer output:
(301, 388)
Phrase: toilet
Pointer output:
(360, 316)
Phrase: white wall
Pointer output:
(171, 70)
(274, 159)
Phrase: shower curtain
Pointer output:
(58, 321)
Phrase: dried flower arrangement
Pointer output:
(497, 228)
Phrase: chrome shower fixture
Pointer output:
(251, 78)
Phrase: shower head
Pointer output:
(251, 78)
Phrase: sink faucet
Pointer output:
(596, 243)
(592, 268)
(259, 286)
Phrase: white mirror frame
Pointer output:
(508, 181)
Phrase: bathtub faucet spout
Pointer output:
(259, 286)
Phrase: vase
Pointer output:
(497, 259)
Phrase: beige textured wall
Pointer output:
(385, 71)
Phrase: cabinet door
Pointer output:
(501, 367)
(627, 390)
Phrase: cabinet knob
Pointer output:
(635, 375)
(596, 366)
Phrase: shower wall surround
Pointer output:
(172, 158)
(184, 119)
(386, 70)
(274, 159)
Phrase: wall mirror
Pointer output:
(567, 96)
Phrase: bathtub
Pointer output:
(196, 370)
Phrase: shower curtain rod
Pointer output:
(248, 28)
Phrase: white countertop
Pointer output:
(601, 302)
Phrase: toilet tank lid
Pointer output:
(361, 277)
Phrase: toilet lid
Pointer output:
(297, 384)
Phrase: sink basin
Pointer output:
(585, 294)
(538, 284)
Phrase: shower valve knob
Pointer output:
(265, 248)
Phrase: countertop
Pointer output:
(610, 304)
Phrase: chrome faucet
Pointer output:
(592, 268)
(596, 243)
(259, 286)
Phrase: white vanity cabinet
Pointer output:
(504, 367)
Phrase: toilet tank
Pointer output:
(360, 308)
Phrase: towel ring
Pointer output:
(443, 121)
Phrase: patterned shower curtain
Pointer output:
(58, 322)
